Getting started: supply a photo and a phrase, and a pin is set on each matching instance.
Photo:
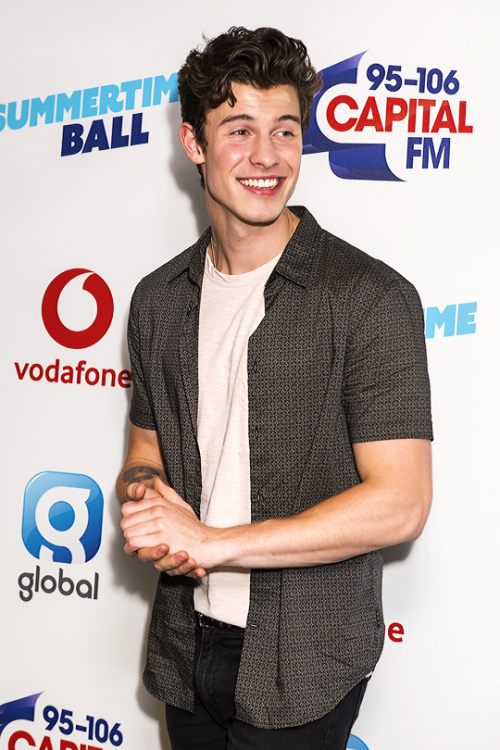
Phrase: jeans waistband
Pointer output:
(209, 622)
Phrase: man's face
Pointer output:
(252, 159)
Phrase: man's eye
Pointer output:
(242, 131)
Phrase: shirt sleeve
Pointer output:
(141, 414)
(386, 391)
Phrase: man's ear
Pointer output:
(191, 145)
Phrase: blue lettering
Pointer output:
(162, 86)
(39, 108)
(72, 141)
(66, 103)
(412, 151)
(444, 151)
(96, 138)
(436, 318)
(117, 139)
(129, 88)
(138, 136)
(109, 99)
(2, 117)
(147, 88)
(89, 107)
(12, 121)
(465, 318)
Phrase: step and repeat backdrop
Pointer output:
(401, 160)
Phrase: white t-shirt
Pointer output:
(232, 306)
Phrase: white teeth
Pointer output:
(260, 183)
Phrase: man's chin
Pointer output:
(263, 218)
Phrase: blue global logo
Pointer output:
(354, 743)
(62, 517)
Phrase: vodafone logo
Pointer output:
(86, 306)
(79, 339)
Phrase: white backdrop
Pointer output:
(117, 213)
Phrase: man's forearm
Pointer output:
(389, 506)
(357, 521)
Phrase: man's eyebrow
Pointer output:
(249, 118)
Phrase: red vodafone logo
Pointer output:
(97, 287)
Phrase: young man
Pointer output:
(279, 430)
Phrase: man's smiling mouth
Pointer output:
(261, 183)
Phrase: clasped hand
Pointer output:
(156, 521)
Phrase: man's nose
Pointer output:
(263, 152)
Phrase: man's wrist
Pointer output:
(226, 546)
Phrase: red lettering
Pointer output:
(370, 117)
(95, 376)
(412, 116)
(54, 373)
(462, 116)
(46, 744)
(21, 373)
(67, 374)
(20, 735)
(444, 119)
(394, 631)
(67, 745)
(426, 105)
(79, 368)
(113, 377)
(55, 368)
(341, 127)
(124, 378)
(32, 372)
(395, 110)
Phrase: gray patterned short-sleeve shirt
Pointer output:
(339, 358)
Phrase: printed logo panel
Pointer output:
(378, 121)
(77, 311)
(54, 727)
(62, 517)
(22, 708)
(94, 285)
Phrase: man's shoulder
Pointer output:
(156, 283)
(342, 267)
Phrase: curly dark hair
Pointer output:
(262, 58)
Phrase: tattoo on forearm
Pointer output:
(140, 474)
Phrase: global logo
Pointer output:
(360, 103)
(62, 517)
(102, 297)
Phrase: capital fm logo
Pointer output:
(379, 121)
(57, 725)
(62, 517)
(94, 285)
(20, 709)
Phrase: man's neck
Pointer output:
(239, 248)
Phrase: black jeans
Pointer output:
(213, 725)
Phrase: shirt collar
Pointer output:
(295, 264)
